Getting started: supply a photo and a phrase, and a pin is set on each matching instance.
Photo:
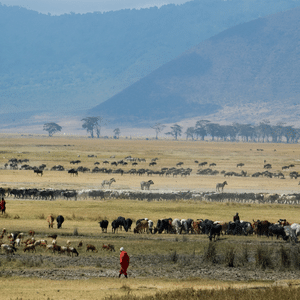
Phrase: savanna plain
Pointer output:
(163, 266)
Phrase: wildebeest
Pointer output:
(37, 171)
(73, 172)
(145, 185)
(60, 219)
(103, 224)
(221, 186)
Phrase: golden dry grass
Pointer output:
(84, 214)
(36, 289)
(58, 150)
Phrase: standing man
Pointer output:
(124, 261)
(236, 217)
(2, 206)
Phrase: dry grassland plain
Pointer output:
(83, 215)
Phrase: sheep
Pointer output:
(72, 250)
(31, 232)
(63, 249)
(30, 247)
(18, 242)
(40, 242)
(91, 247)
(8, 248)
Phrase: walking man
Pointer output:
(124, 261)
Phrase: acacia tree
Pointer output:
(52, 128)
(117, 132)
(158, 127)
(190, 132)
(200, 129)
(176, 131)
(92, 123)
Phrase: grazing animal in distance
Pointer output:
(91, 247)
(103, 224)
(50, 220)
(37, 171)
(221, 186)
(145, 185)
(60, 219)
(73, 172)
(108, 182)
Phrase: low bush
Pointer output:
(263, 257)
(211, 253)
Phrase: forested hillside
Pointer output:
(255, 63)
(70, 63)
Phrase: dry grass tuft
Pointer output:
(210, 253)
(263, 257)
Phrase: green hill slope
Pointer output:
(66, 64)
(253, 63)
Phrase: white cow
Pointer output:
(176, 224)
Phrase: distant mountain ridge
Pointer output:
(58, 65)
(253, 63)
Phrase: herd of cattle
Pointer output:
(211, 228)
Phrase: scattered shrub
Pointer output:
(174, 257)
(229, 256)
(75, 232)
(263, 257)
(41, 217)
(285, 258)
(295, 257)
(211, 253)
(245, 254)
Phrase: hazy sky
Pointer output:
(58, 7)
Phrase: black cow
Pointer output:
(277, 230)
(189, 225)
(60, 219)
(120, 221)
(163, 225)
(206, 226)
(215, 229)
(103, 224)
(127, 225)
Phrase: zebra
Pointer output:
(221, 185)
(145, 185)
(106, 182)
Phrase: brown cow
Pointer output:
(143, 225)
(91, 247)
(50, 221)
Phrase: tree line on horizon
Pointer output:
(204, 130)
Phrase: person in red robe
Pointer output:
(124, 261)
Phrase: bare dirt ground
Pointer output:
(172, 265)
